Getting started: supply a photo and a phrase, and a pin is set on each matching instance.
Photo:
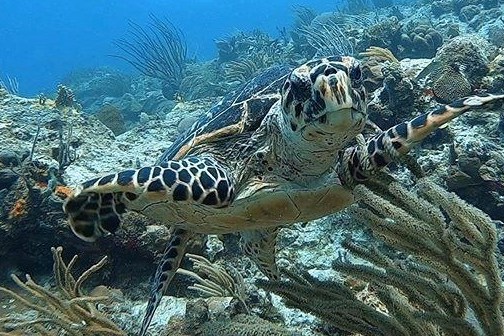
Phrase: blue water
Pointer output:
(42, 41)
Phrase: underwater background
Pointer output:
(93, 87)
(69, 36)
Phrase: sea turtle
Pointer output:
(280, 150)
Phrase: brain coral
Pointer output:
(468, 53)
(420, 41)
(450, 85)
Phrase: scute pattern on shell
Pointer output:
(227, 111)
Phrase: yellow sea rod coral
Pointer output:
(61, 309)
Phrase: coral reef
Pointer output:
(419, 41)
(495, 34)
(469, 53)
(382, 54)
(455, 242)
(382, 34)
(467, 13)
(494, 81)
(242, 325)
(64, 97)
(45, 149)
(111, 117)
(396, 98)
(441, 7)
(399, 90)
(477, 177)
(158, 51)
(373, 66)
(95, 84)
(65, 309)
(459, 67)
(451, 84)
(303, 17)
(244, 55)
(214, 280)
(246, 44)
(203, 80)
(208, 318)
(242, 70)
(11, 85)
(26, 192)
(413, 38)
(326, 37)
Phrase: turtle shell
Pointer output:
(240, 111)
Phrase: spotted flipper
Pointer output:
(259, 245)
(356, 164)
(96, 207)
(170, 262)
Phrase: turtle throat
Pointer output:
(313, 148)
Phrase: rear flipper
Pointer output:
(357, 164)
(260, 246)
(95, 208)
(170, 262)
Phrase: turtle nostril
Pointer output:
(330, 71)
(356, 73)
(298, 109)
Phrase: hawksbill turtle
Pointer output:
(280, 150)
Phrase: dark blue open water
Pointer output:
(41, 41)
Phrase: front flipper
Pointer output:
(170, 262)
(357, 164)
(259, 245)
(95, 208)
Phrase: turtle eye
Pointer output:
(356, 73)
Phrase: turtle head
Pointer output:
(324, 102)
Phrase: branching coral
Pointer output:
(383, 54)
(449, 284)
(67, 154)
(242, 325)
(66, 309)
(327, 37)
(158, 51)
(64, 97)
(242, 70)
(214, 280)
(203, 80)
(303, 16)
(244, 55)
(11, 86)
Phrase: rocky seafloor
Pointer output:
(46, 148)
